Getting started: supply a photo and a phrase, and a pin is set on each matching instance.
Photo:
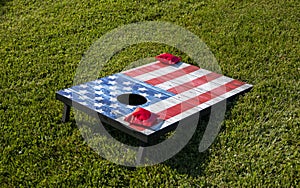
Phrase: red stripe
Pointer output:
(194, 83)
(172, 75)
(143, 70)
(195, 101)
(219, 90)
(234, 84)
(172, 111)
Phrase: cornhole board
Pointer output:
(173, 92)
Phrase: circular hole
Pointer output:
(131, 99)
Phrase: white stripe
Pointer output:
(179, 98)
(206, 104)
(146, 65)
(160, 72)
(236, 90)
(163, 105)
(183, 79)
(198, 90)
(222, 79)
(186, 113)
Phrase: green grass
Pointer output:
(42, 42)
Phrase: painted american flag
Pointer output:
(173, 92)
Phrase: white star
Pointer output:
(113, 100)
(99, 81)
(99, 92)
(159, 95)
(113, 87)
(130, 106)
(83, 97)
(127, 83)
(69, 95)
(100, 110)
(113, 93)
(98, 104)
(115, 112)
(82, 92)
(127, 88)
(98, 87)
(83, 86)
(83, 103)
(68, 90)
(142, 89)
(144, 94)
(99, 98)
(112, 82)
(112, 77)
(114, 106)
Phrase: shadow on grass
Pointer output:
(187, 161)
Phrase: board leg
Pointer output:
(66, 113)
(140, 156)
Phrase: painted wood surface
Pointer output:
(173, 92)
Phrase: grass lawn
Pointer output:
(42, 43)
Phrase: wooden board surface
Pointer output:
(173, 92)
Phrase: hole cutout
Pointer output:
(132, 99)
